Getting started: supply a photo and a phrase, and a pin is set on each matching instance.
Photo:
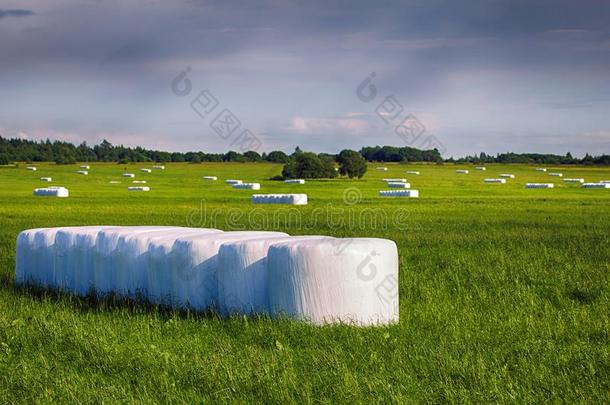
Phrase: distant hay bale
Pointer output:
(399, 193)
(574, 180)
(83, 172)
(383, 169)
(146, 170)
(462, 171)
(114, 182)
(541, 169)
(87, 167)
(556, 174)
(506, 175)
(290, 199)
(47, 179)
(596, 185)
(31, 168)
(480, 168)
(398, 184)
(51, 192)
(139, 182)
(138, 188)
(159, 167)
(247, 186)
(213, 178)
(294, 181)
(501, 181)
(231, 181)
(395, 180)
(412, 172)
(539, 185)
(129, 175)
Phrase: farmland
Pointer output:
(504, 292)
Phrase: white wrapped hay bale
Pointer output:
(507, 175)
(83, 172)
(399, 193)
(131, 175)
(294, 181)
(247, 186)
(139, 182)
(501, 181)
(31, 168)
(313, 280)
(86, 167)
(596, 185)
(138, 188)
(412, 172)
(29, 256)
(395, 180)
(211, 178)
(541, 169)
(114, 182)
(462, 171)
(146, 170)
(574, 180)
(482, 168)
(556, 174)
(46, 179)
(231, 181)
(159, 167)
(383, 169)
(195, 265)
(539, 185)
(398, 184)
(290, 199)
(61, 192)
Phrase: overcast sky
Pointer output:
(480, 75)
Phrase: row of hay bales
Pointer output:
(316, 278)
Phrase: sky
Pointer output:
(466, 77)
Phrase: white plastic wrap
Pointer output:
(412, 172)
(131, 175)
(138, 188)
(159, 167)
(47, 179)
(574, 180)
(507, 175)
(86, 167)
(247, 186)
(294, 181)
(145, 170)
(462, 171)
(194, 267)
(399, 193)
(541, 169)
(24, 257)
(31, 168)
(398, 184)
(139, 182)
(480, 168)
(383, 169)
(211, 178)
(52, 192)
(556, 174)
(596, 185)
(395, 180)
(291, 199)
(539, 185)
(83, 172)
(231, 181)
(501, 181)
(334, 280)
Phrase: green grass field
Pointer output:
(504, 293)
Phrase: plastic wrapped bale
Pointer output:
(596, 185)
(539, 185)
(247, 186)
(210, 178)
(160, 265)
(35, 257)
(556, 174)
(399, 193)
(574, 180)
(31, 168)
(334, 280)
(541, 169)
(159, 167)
(106, 260)
(138, 188)
(130, 175)
(232, 181)
(294, 181)
(194, 267)
(500, 181)
(482, 168)
(383, 169)
(290, 199)
(398, 184)
(83, 172)
(86, 167)
(114, 182)
(507, 175)
(412, 172)
(139, 182)
(395, 180)
(145, 170)
(46, 179)
(462, 171)
(61, 192)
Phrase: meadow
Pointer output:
(504, 292)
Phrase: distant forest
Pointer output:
(22, 150)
